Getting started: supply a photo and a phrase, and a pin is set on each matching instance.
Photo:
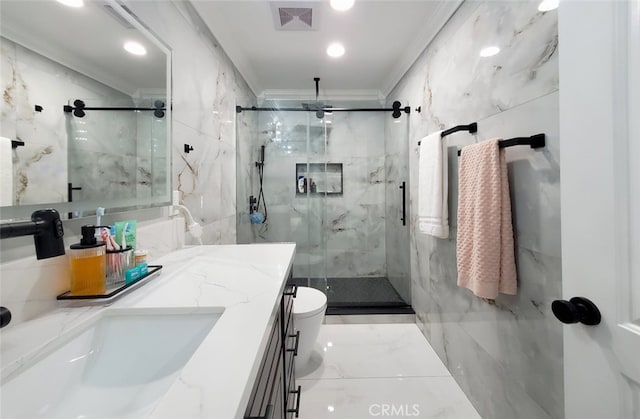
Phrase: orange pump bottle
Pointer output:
(87, 264)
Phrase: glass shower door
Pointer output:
(331, 185)
(294, 146)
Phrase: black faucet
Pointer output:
(47, 231)
(5, 316)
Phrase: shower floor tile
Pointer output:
(355, 292)
(379, 370)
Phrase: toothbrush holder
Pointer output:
(118, 262)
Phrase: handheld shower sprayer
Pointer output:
(255, 215)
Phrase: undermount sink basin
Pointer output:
(118, 366)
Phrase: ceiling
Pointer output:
(87, 39)
(382, 39)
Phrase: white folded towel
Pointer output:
(433, 186)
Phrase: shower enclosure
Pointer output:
(331, 183)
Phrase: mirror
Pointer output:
(84, 123)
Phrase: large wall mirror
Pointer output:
(85, 123)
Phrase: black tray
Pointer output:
(112, 292)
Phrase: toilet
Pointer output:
(309, 307)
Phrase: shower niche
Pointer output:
(319, 179)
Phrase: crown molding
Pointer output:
(325, 94)
(430, 29)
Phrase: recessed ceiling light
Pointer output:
(489, 51)
(548, 5)
(342, 5)
(335, 50)
(72, 3)
(135, 48)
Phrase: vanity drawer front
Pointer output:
(265, 381)
(290, 350)
(290, 384)
(287, 302)
(278, 400)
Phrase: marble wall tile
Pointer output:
(246, 136)
(493, 390)
(206, 89)
(505, 354)
(29, 286)
(8, 78)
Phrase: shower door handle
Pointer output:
(403, 218)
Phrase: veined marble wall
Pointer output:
(206, 88)
(342, 235)
(505, 354)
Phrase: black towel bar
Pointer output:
(535, 141)
(472, 128)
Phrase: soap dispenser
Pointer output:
(87, 263)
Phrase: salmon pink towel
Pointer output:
(485, 248)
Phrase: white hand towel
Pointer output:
(6, 172)
(433, 187)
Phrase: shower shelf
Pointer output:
(324, 178)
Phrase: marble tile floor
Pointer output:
(360, 371)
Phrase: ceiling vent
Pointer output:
(295, 16)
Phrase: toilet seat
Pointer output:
(309, 302)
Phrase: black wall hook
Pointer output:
(187, 148)
(17, 143)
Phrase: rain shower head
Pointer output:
(320, 108)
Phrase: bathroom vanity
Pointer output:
(274, 394)
(211, 337)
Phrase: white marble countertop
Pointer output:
(244, 280)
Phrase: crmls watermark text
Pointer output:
(394, 410)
